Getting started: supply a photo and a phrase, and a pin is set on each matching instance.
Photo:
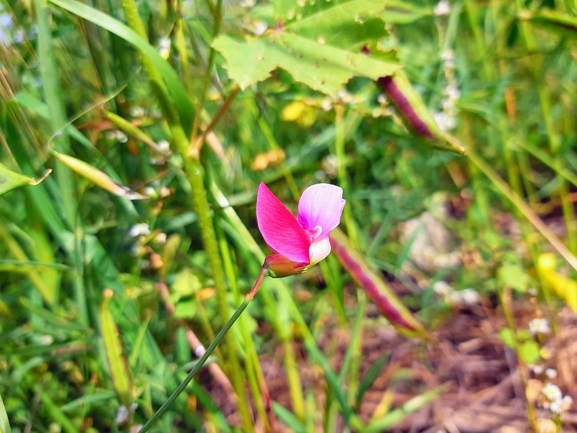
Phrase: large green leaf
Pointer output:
(320, 44)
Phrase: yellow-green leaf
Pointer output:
(10, 180)
(114, 352)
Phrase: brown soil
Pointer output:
(484, 392)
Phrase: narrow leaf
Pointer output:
(4, 423)
(98, 177)
(10, 180)
(131, 130)
(175, 88)
(560, 23)
(376, 288)
(370, 377)
(114, 352)
(397, 415)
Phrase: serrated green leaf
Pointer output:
(321, 67)
(319, 46)
(346, 25)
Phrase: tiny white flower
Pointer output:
(562, 405)
(327, 104)
(260, 27)
(442, 9)
(199, 351)
(164, 43)
(537, 369)
(141, 229)
(150, 192)
(331, 166)
(163, 145)
(551, 392)
(121, 415)
(452, 91)
(470, 297)
(137, 111)
(341, 93)
(46, 340)
(455, 298)
(442, 288)
(161, 238)
(448, 58)
(382, 99)
(164, 192)
(539, 326)
(551, 373)
(444, 122)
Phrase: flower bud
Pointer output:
(278, 266)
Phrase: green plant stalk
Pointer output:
(525, 209)
(36, 278)
(219, 337)
(217, 21)
(252, 361)
(552, 135)
(351, 363)
(194, 171)
(55, 101)
(182, 53)
(196, 368)
(505, 301)
(55, 413)
(273, 145)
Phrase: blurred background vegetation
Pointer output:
(105, 300)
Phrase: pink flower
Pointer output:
(298, 243)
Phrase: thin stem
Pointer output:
(197, 145)
(253, 367)
(217, 16)
(206, 355)
(525, 209)
(194, 342)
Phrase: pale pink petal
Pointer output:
(319, 250)
(321, 206)
(280, 229)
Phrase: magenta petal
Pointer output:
(280, 229)
(321, 205)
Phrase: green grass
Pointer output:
(84, 329)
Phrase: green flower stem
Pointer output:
(196, 368)
(252, 362)
(219, 337)
(351, 361)
(194, 171)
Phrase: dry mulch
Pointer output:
(484, 393)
